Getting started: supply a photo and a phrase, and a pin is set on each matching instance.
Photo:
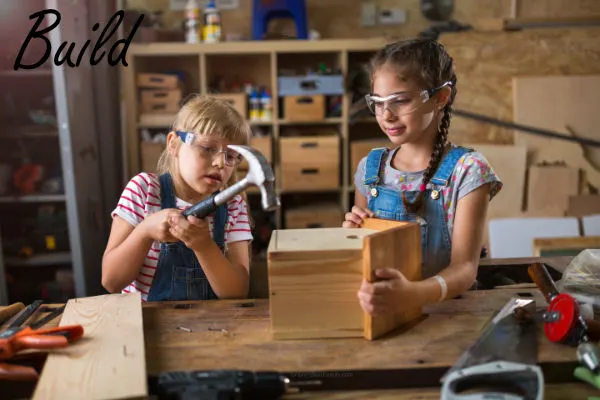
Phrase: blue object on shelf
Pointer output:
(264, 11)
(329, 85)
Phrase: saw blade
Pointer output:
(504, 338)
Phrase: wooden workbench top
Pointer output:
(418, 355)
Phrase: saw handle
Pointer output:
(542, 279)
(202, 208)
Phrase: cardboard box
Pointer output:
(157, 101)
(314, 275)
(304, 108)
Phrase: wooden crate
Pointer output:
(262, 144)
(158, 81)
(304, 108)
(160, 101)
(314, 216)
(314, 275)
(239, 101)
(308, 150)
(308, 177)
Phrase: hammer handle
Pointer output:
(8, 312)
(542, 279)
(202, 208)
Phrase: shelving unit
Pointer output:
(261, 61)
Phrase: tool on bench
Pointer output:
(8, 312)
(220, 385)
(502, 363)
(259, 174)
(21, 336)
(563, 323)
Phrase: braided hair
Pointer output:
(427, 61)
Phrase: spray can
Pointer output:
(192, 22)
(266, 105)
(254, 105)
(212, 23)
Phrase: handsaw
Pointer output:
(502, 363)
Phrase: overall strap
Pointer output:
(373, 165)
(167, 192)
(444, 171)
(219, 225)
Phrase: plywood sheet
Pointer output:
(109, 362)
(557, 103)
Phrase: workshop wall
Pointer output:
(342, 18)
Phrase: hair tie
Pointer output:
(422, 187)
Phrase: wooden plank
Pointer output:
(564, 245)
(575, 108)
(109, 361)
(398, 247)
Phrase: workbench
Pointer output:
(409, 362)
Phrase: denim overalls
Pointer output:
(387, 203)
(179, 275)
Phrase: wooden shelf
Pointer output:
(166, 120)
(328, 121)
(33, 198)
(40, 260)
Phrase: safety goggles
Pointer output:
(232, 158)
(401, 103)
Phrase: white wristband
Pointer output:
(444, 287)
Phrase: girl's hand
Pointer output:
(156, 226)
(393, 294)
(193, 232)
(354, 218)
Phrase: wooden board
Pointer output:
(109, 361)
(573, 105)
(564, 245)
(398, 247)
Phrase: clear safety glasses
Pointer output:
(232, 158)
(401, 103)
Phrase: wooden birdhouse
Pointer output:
(315, 274)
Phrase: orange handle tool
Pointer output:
(10, 372)
(50, 338)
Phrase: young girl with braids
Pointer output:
(422, 178)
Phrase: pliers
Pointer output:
(20, 336)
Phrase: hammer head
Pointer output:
(259, 174)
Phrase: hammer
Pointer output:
(259, 174)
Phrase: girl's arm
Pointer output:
(467, 239)
(228, 276)
(124, 255)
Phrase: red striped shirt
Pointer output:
(141, 198)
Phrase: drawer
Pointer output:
(361, 148)
(310, 150)
(262, 144)
(305, 177)
(158, 81)
(304, 108)
(330, 85)
(160, 101)
(321, 215)
(239, 101)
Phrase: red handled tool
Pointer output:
(19, 337)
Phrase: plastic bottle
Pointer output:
(267, 105)
(254, 105)
(212, 23)
(192, 22)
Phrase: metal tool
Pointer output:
(21, 336)
(259, 174)
(502, 363)
(563, 322)
(220, 385)
(8, 312)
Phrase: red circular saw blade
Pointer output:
(567, 308)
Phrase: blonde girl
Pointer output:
(152, 248)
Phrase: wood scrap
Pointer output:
(109, 362)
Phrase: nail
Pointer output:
(182, 328)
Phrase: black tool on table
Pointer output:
(220, 385)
